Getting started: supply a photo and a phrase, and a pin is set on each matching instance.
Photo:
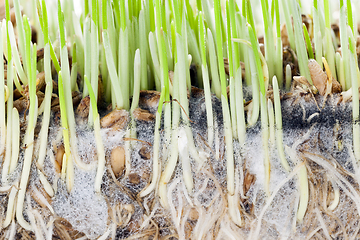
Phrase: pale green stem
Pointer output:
(183, 68)
(233, 107)
(194, 50)
(345, 47)
(279, 132)
(300, 42)
(174, 154)
(100, 154)
(252, 119)
(208, 15)
(289, 25)
(112, 72)
(21, 32)
(208, 102)
(6, 161)
(94, 67)
(29, 143)
(265, 139)
(270, 109)
(73, 76)
(317, 37)
(143, 50)
(330, 52)
(279, 62)
(47, 111)
(123, 66)
(2, 102)
(269, 39)
(216, 88)
(288, 77)
(87, 52)
(156, 163)
(15, 55)
(137, 80)
(355, 105)
(15, 138)
(136, 94)
(155, 59)
(105, 75)
(340, 70)
(230, 170)
(240, 107)
(79, 41)
(206, 81)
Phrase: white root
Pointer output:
(311, 234)
(303, 185)
(174, 151)
(10, 207)
(156, 163)
(100, 154)
(304, 193)
(106, 234)
(69, 172)
(233, 202)
(336, 199)
(184, 157)
(265, 144)
(128, 152)
(175, 215)
(29, 142)
(12, 231)
(42, 199)
(50, 226)
(34, 224)
(339, 179)
(255, 235)
(47, 186)
(322, 224)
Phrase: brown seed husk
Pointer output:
(119, 118)
(145, 153)
(59, 158)
(83, 108)
(117, 160)
(318, 76)
(143, 115)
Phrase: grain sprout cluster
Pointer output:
(191, 119)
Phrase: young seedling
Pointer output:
(355, 97)
(2, 104)
(98, 139)
(206, 82)
(29, 141)
(278, 126)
